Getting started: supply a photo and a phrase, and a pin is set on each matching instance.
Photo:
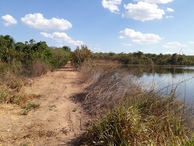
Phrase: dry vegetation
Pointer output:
(107, 89)
(38, 111)
(12, 82)
(125, 114)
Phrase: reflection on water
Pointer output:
(161, 70)
(166, 79)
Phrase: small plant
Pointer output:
(74, 110)
(24, 112)
(3, 95)
(15, 99)
(29, 107)
(51, 107)
(15, 84)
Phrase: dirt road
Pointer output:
(56, 122)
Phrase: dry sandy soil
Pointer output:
(58, 120)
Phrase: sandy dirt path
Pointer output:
(56, 122)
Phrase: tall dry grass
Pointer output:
(127, 115)
(36, 68)
(12, 80)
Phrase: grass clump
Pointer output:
(31, 106)
(28, 107)
(10, 94)
(144, 120)
(3, 94)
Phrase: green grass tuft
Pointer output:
(29, 107)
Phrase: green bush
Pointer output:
(28, 53)
(79, 56)
(61, 56)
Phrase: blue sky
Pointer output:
(150, 26)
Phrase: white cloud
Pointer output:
(143, 11)
(169, 9)
(156, 1)
(191, 42)
(61, 37)
(168, 17)
(112, 5)
(124, 44)
(139, 37)
(38, 21)
(8, 20)
(173, 45)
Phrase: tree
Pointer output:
(80, 55)
(61, 55)
(10, 41)
(174, 59)
(32, 42)
(19, 46)
(66, 48)
(7, 48)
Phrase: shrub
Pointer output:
(61, 56)
(37, 68)
(3, 67)
(79, 56)
(3, 94)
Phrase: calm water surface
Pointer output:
(166, 80)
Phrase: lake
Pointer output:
(166, 79)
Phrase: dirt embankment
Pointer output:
(57, 121)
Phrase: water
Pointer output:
(167, 80)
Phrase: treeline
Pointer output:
(31, 58)
(140, 58)
(35, 58)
